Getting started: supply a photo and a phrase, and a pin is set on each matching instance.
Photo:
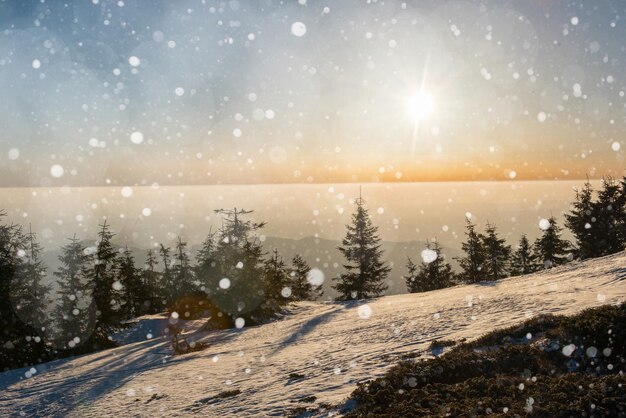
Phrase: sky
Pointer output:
(132, 93)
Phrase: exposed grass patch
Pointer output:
(435, 344)
(548, 366)
(228, 394)
(305, 412)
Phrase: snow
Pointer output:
(315, 277)
(136, 137)
(333, 345)
(298, 29)
(57, 170)
(541, 117)
(428, 255)
(134, 61)
(240, 322)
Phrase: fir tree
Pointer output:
(581, 221)
(610, 212)
(134, 292)
(182, 272)
(29, 295)
(74, 315)
(151, 282)
(277, 290)
(473, 264)
(412, 285)
(206, 270)
(301, 287)
(433, 273)
(239, 291)
(103, 273)
(366, 272)
(523, 260)
(497, 254)
(550, 249)
(621, 217)
(20, 343)
(167, 278)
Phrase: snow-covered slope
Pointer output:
(326, 348)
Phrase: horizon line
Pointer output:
(158, 185)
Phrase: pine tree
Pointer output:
(497, 254)
(134, 292)
(168, 286)
(277, 290)
(366, 272)
(581, 221)
(610, 212)
(152, 284)
(523, 261)
(412, 284)
(550, 249)
(239, 263)
(206, 271)
(20, 344)
(432, 274)
(182, 272)
(621, 217)
(473, 264)
(301, 287)
(105, 297)
(29, 295)
(75, 315)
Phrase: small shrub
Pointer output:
(180, 345)
(228, 394)
(442, 343)
(305, 399)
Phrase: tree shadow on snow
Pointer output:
(489, 283)
(619, 272)
(115, 367)
(308, 326)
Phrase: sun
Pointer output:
(420, 105)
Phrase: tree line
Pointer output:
(100, 287)
(597, 221)
(486, 257)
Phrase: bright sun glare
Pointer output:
(420, 105)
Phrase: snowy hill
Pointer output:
(315, 355)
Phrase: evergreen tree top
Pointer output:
(234, 230)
